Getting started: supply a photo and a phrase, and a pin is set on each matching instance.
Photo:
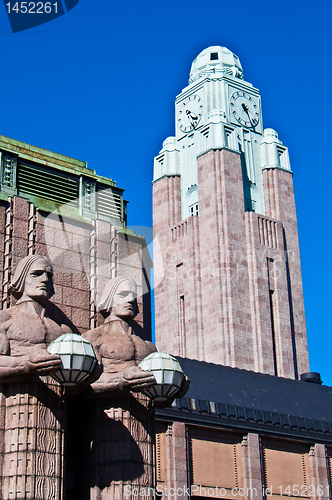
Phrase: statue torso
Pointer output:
(27, 327)
(117, 346)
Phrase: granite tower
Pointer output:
(228, 285)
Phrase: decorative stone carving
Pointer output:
(32, 407)
(115, 429)
(26, 328)
(9, 167)
(88, 198)
(118, 349)
(109, 428)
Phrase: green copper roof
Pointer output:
(51, 159)
(56, 182)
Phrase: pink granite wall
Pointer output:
(228, 283)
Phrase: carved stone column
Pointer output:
(114, 439)
(32, 427)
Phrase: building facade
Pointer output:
(54, 206)
(240, 434)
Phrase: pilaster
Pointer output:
(177, 463)
(280, 205)
(254, 468)
(224, 266)
(320, 472)
(269, 297)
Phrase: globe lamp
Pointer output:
(167, 372)
(77, 356)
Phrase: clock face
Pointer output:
(244, 108)
(190, 113)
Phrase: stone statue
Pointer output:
(32, 404)
(26, 328)
(115, 437)
(118, 349)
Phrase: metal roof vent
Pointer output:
(312, 377)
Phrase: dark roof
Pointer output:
(221, 395)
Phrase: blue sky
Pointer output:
(99, 84)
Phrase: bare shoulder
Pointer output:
(92, 335)
(5, 315)
(151, 346)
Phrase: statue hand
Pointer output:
(42, 362)
(132, 378)
(135, 379)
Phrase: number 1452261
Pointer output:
(32, 7)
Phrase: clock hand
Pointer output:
(251, 118)
(192, 117)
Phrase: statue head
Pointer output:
(119, 298)
(33, 279)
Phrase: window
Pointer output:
(193, 209)
(214, 56)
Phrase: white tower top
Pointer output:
(219, 109)
(214, 62)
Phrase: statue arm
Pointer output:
(92, 337)
(131, 378)
(22, 367)
(13, 369)
(4, 343)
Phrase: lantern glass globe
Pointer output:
(167, 372)
(78, 358)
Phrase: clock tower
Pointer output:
(228, 285)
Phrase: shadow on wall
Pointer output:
(109, 437)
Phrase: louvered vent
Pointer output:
(47, 183)
(109, 203)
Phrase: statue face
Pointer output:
(38, 282)
(124, 302)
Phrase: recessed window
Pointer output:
(193, 209)
(213, 56)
